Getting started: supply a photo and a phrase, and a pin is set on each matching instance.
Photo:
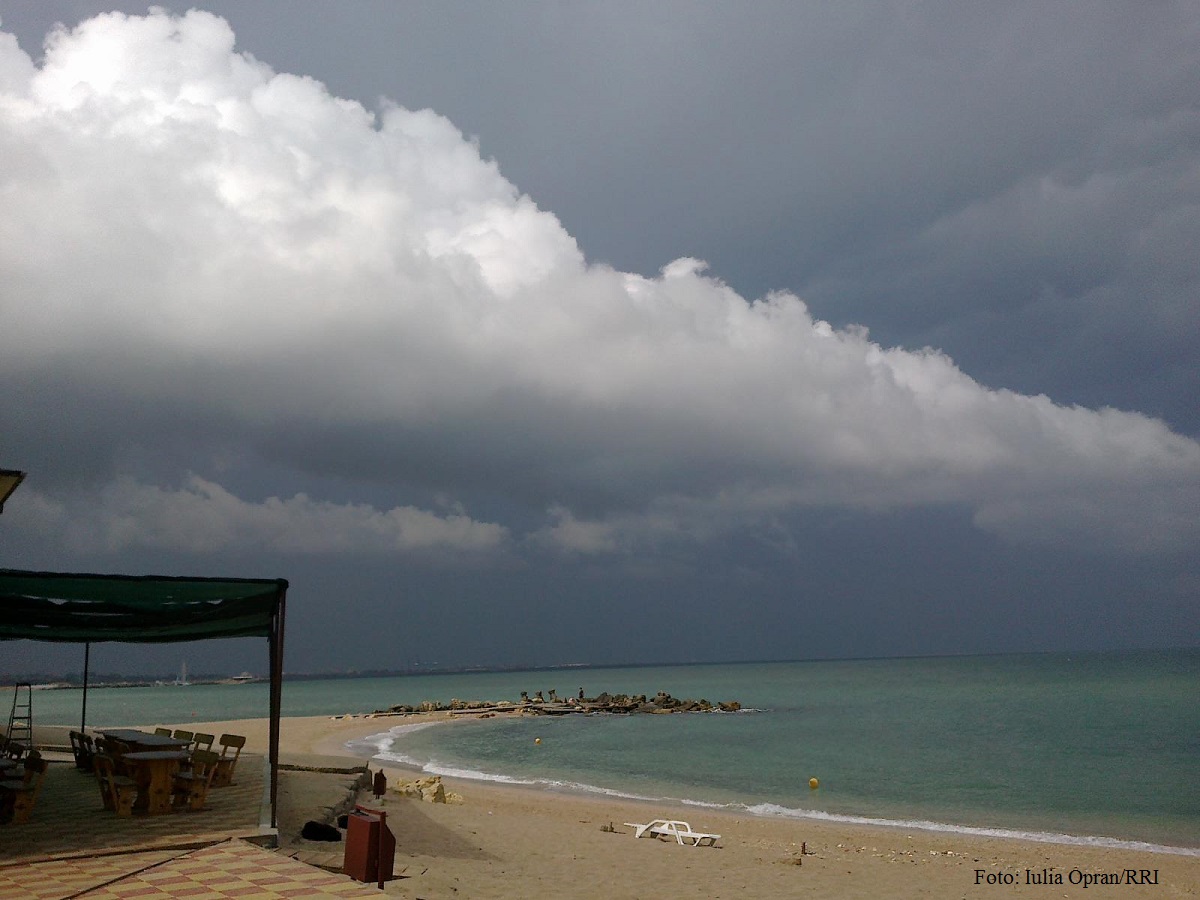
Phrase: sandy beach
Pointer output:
(509, 842)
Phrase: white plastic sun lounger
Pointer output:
(645, 830)
(671, 828)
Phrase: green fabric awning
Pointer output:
(86, 609)
(53, 606)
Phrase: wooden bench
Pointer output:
(117, 792)
(17, 797)
(191, 788)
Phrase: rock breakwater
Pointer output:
(538, 705)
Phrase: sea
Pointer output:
(1091, 748)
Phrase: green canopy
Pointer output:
(50, 606)
(84, 609)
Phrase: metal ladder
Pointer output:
(20, 720)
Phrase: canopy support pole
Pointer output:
(87, 652)
(275, 641)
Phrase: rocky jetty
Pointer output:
(538, 705)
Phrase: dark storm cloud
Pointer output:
(247, 313)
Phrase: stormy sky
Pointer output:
(535, 334)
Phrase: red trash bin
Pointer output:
(370, 846)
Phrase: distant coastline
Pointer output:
(143, 682)
(58, 681)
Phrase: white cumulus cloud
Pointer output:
(203, 517)
(187, 236)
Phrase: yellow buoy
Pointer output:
(537, 740)
(813, 783)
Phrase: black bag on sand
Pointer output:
(319, 831)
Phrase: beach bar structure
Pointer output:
(85, 609)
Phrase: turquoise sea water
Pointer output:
(1083, 745)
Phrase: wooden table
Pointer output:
(154, 771)
(143, 740)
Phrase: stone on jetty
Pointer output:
(662, 702)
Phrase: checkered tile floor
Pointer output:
(231, 870)
(73, 848)
(69, 877)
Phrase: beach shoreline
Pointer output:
(512, 840)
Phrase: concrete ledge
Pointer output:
(328, 770)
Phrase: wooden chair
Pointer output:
(191, 788)
(120, 748)
(164, 732)
(28, 770)
(12, 749)
(202, 741)
(182, 735)
(114, 750)
(102, 745)
(82, 752)
(228, 761)
(17, 798)
(117, 792)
